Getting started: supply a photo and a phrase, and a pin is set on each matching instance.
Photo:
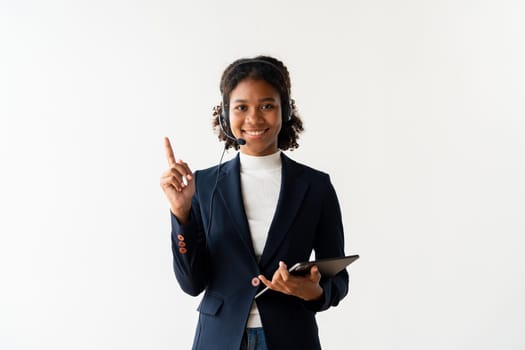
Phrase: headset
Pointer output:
(286, 108)
(286, 102)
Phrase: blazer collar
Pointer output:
(229, 190)
(292, 192)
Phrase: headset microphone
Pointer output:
(239, 141)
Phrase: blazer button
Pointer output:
(180, 237)
(182, 250)
(182, 244)
(255, 282)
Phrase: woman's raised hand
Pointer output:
(178, 185)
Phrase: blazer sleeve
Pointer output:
(329, 242)
(191, 258)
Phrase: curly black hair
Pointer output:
(275, 73)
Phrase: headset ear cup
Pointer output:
(223, 116)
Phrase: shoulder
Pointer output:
(206, 174)
(207, 177)
(304, 170)
(318, 182)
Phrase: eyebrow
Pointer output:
(266, 99)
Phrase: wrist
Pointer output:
(182, 215)
(315, 295)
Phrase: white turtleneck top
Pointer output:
(260, 186)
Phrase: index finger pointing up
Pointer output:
(169, 152)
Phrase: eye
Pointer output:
(241, 108)
(267, 106)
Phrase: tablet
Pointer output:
(327, 267)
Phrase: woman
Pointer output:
(241, 223)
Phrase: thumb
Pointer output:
(315, 275)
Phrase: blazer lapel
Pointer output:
(229, 190)
(293, 189)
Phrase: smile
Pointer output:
(254, 132)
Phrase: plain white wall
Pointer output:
(415, 108)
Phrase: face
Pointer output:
(255, 115)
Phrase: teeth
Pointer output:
(255, 132)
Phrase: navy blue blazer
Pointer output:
(222, 261)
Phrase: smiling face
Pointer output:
(255, 115)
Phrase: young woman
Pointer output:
(237, 226)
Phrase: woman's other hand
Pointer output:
(304, 287)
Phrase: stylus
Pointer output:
(262, 291)
(266, 288)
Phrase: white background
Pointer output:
(415, 108)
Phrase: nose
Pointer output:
(254, 114)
